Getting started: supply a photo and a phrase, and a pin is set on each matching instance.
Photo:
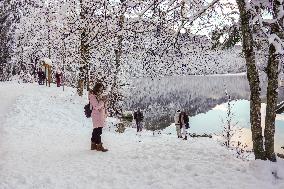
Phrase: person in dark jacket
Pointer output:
(184, 124)
(41, 76)
(58, 77)
(138, 116)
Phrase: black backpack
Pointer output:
(88, 110)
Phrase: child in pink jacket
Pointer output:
(98, 103)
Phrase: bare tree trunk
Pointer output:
(48, 78)
(48, 31)
(115, 96)
(272, 94)
(82, 71)
(63, 62)
(49, 42)
(83, 52)
(254, 83)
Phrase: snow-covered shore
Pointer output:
(46, 138)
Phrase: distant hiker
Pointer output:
(98, 105)
(38, 76)
(138, 116)
(41, 76)
(184, 124)
(177, 123)
(58, 77)
(186, 121)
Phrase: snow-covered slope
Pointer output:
(46, 140)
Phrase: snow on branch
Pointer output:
(191, 19)
(149, 6)
(261, 21)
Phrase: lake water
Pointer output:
(203, 97)
(212, 122)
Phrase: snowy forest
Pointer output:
(159, 56)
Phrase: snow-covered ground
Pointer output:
(45, 141)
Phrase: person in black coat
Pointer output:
(138, 116)
(41, 76)
(184, 123)
(58, 77)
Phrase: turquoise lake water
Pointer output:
(211, 122)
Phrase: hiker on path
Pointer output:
(58, 77)
(41, 76)
(98, 106)
(184, 124)
(138, 116)
(177, 123)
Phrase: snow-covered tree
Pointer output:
(9, 15)
(260, 28)
(256, 27)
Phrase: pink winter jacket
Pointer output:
(98, 113)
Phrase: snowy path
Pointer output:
(46, 144)
(8, 95)
(9, 92)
